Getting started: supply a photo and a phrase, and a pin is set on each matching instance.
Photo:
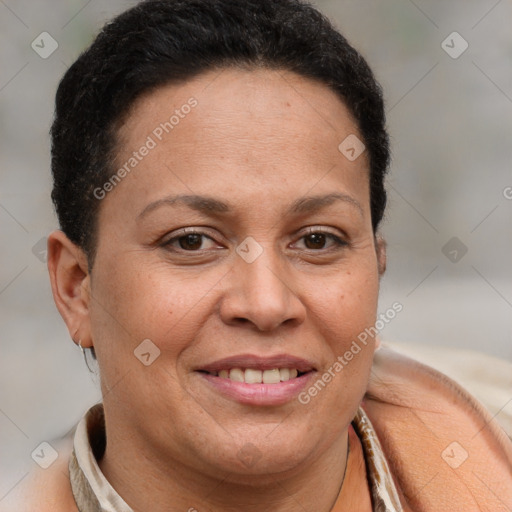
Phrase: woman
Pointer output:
(219, 180)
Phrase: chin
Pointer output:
(252, 466)
(266, 453)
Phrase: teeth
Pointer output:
(284, 374)
(252, 376)
(271, 376)
(237, 375)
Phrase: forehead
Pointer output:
(242, 133)
(261, 94)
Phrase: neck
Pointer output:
(314, 485)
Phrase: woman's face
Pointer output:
(240, 238)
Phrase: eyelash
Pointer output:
(183, 234)
(338, 241)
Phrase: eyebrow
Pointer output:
(313, 203)
(203, 204)
(209, 205)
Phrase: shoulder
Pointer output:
(44, 490)
(445, 450)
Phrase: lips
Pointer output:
(257, 380)
(258, 363)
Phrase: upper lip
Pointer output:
(259, 363)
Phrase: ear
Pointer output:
(70, 280)
(380, 247)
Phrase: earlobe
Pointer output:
(70, 281)
(380, 247)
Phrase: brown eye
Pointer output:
(191, 242)
(315, 241)
(321, 241)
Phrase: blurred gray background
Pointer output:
(448, 227)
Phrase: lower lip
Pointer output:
(258, 394)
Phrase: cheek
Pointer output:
(344, 315)
(134, 302)
(344, 312)
(131, 305)
(347, 303)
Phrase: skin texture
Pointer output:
(417, 413)
(259, 141)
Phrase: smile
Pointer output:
(255, 376)
(256, 380)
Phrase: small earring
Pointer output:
(85, 355)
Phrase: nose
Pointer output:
(262, 294)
